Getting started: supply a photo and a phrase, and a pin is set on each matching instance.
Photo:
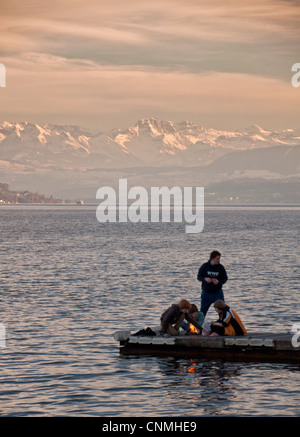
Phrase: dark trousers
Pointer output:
(207, 299)
(173, 329)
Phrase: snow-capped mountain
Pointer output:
(149, 142)
(164, 142)
(61, 160)
(55, 145)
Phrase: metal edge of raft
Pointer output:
(262, 347)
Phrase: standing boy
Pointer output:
(213, 275)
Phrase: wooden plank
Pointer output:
(200, 341)
(270, 340)
(229, 354)
(285, 344)
(256, 346)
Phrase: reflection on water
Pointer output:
(206, 388)
(210, 387)
(68, 282)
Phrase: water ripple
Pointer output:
(67, 284)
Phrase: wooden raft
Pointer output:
(256, 346)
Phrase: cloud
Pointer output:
(85, 93)
(225, 61)
(160, 30)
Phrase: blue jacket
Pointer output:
(208, 270)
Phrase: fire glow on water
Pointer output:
(188, 205)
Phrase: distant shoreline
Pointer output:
(208, 205)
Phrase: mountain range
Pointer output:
(63, 160)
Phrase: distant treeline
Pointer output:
(9, 196)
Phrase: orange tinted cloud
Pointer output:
(110, 63)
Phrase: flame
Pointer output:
(193, 329)
(192, 368)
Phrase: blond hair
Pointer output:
(220, 304)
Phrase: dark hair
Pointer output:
(193, 309)
(214, 254)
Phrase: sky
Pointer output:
(106, 64)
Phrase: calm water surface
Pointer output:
(68, 282)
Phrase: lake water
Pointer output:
(68, 282)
